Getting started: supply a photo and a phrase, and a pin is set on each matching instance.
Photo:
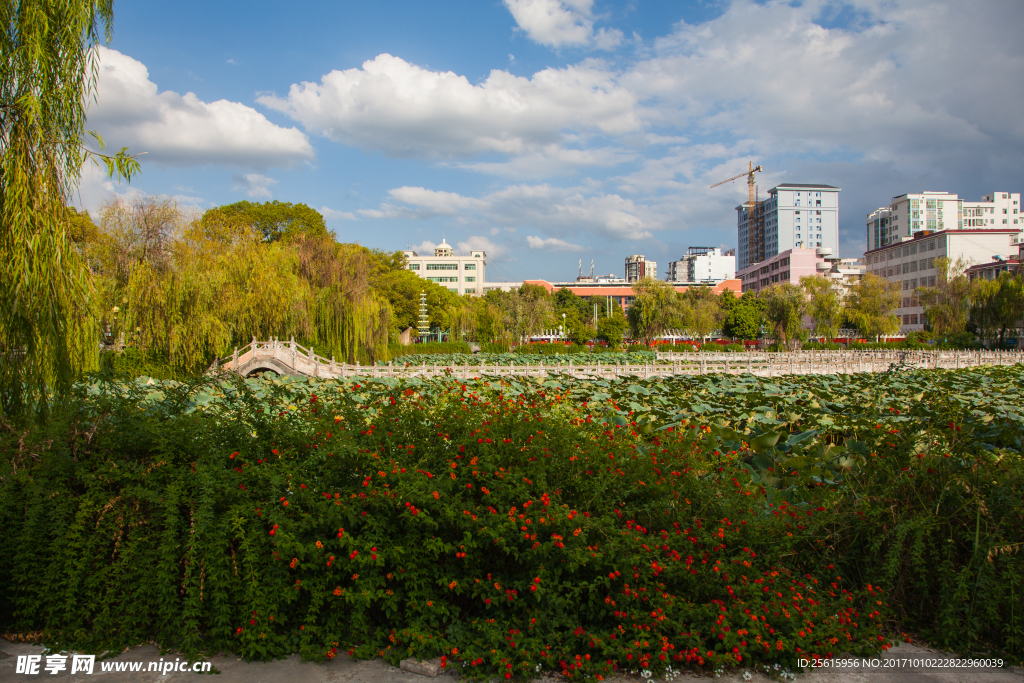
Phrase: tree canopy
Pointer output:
(275, 220)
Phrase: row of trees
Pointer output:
(778, 311)
(819, 307)
(183, 286)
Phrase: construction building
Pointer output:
(793, 216)
(637, 267)
(703, 265)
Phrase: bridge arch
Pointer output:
(257, 365)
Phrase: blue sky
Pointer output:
(549, 131)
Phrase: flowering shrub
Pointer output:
(583, 527)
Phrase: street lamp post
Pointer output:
(562, 326)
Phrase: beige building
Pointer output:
(911, 262)
(463, 274)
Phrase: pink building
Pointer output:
(788, 266)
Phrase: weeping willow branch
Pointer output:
(48, 70)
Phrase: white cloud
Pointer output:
(902, 84)
(554, 210)
(494, 251)
(558, 23)
(95, 189)
(332, 214)
(404, 110)
(182, 129)
(425, 247)
(253, 184)
(552, 244)
(552, 160)
(437, 203)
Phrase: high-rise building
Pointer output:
(910, 214)
(793, 216)
(638, 267)
(704, 265)
(461, 274)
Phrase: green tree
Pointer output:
(870, 305)
(701, 311)
(610, 329)
(47, 76)
(655, 308)
(745, 319)
(997, 306)
(785, 305)
(824, 305)
(947, 305)
(275, 220)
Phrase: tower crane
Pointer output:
(750, 180)
(755, 228)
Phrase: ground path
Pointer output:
(344, 670)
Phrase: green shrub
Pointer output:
(131, 363)
(536, 349)
(495, 347)
(435, 348)
(820, 346)
(504, 520)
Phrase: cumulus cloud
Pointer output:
(425, 247)
(182, 129)
(494, 251)
(404, 110)
(558, 23)
(253, 184)
(554, 210)
(552, 244)
(902, 84)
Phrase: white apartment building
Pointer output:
(909, 214)
(794, 216)
(912, 261)
(460, 274)
(638, 267)
(708, 265)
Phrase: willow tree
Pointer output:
(784, 310)
(47, 75)
(824, 305)
(343, 311)
(948, 304)
(655, 309)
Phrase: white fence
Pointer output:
(290, 358)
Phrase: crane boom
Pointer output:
(755, 229)
(729, 180)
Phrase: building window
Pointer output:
(414, 266)
(470, 266)
(443, 279)
(442, 266)
(470, 278)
